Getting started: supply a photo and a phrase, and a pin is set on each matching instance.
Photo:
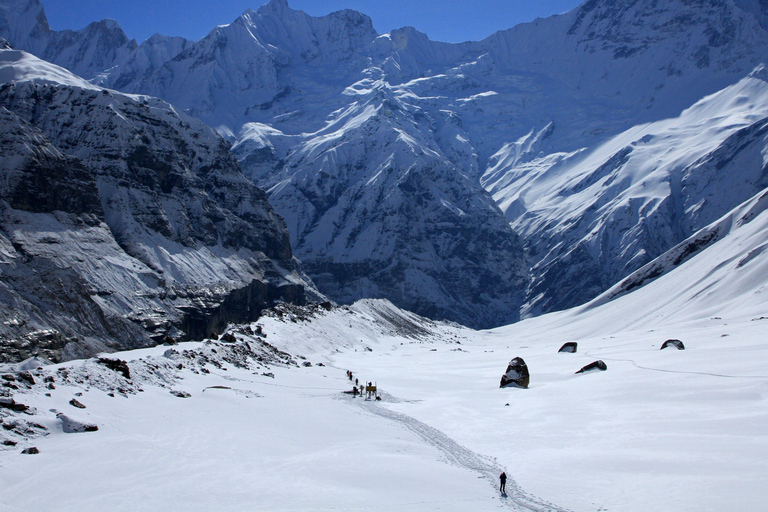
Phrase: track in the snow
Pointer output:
(516, 498)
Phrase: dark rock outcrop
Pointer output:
(516, 375)
(117, 365)
(569, 347)
(597, 365)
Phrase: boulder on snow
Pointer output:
(75, 403)
(569, 347)
(117, 365)
(70, 425)
(10, 403)
(30, 451)
(228, 338)
(516, 375)
(673, 343)
(597, 365)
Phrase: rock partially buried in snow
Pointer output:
(71, 426)
(597, 365)
(569, 347)
(516, 375)
(673, 343)
(30, 451)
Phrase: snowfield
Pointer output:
(659, 430)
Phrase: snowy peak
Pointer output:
(307, 37)
(86, 52)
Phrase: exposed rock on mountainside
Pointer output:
(124, 221)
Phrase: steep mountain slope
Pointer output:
(592, 217)
(85, 52)
(137, 214)
(375, 209)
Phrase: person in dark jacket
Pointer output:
(503, 480)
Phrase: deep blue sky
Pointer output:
(441, 20)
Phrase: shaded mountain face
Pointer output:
(124, 221)
(381, 150)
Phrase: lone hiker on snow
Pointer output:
(503, 479)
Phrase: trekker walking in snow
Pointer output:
(503, 480)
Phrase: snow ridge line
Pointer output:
(464, 457)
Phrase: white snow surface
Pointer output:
(673, 430)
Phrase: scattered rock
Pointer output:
(77, 404)
(307, 364)
(32, 450)
(8, 442)
(27, 377)
(9, 378)
(569, 348)
(180, 394)
(673, 343)
(516, 375)
(117, 365)
(269, 374)
(597, 365)
(326, 306)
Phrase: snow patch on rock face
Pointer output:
(171, 227)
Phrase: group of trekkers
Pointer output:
(362, 389)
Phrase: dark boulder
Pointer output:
(516, 375)
(597, 365)
(116, 365)
(569, 348)
(673, 343)
(228, 338)
(30, 451)
(10, 403)
(75, 403)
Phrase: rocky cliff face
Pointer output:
(124, 219)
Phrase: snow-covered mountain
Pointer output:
(334, 119)
(85, 52)
(123, 220)
(593, 216)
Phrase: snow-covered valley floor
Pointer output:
(659, 430)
